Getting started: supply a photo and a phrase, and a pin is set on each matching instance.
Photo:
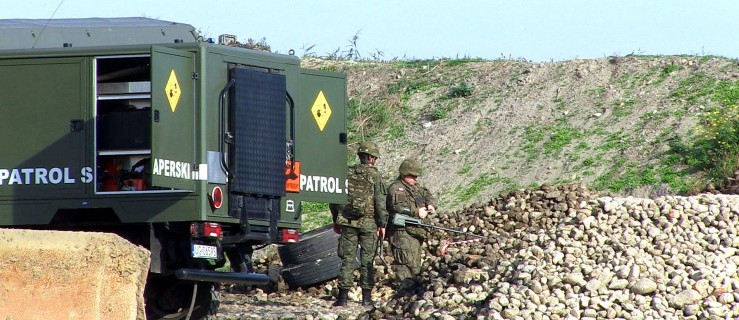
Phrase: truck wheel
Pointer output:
(169, 298)
(313, 245)
(311, 273)
(314, 272)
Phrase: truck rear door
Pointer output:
(320, 143)
(173, 119)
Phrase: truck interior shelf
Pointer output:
(119, 88)
(123, 123)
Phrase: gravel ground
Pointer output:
(292, 305)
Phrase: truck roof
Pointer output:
(91, 32)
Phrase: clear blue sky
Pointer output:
(537, 30)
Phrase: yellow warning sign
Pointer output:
(172, 90)
(321, 110)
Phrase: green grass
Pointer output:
(366, 118)
(727, 93)
(310, 207)
(714, 147)
(669, 69)
(483, 124)
(561, 137)
(315, 215)
(475, 186)
(654, 117)
(550, 139)
(532, 135)
(597, 92)
(428, 63)
(396, 130)
(559, 104)
(406, 87)
(465, 169)
(589, 162)
(614, 141)
(623, 108)
(625, 176)
(442, 110)
(699, 87)
(462, 61)
(460, 90)
(677, 179)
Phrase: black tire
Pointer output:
(312, 273)
(169, 298)
(313, 245)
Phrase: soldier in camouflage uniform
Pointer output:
(407, 194)
(360, 223)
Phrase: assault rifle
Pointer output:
(402, 220)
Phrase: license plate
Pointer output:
(201, 251)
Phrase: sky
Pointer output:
(535, 30)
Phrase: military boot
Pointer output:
(367, 297)
(342, 298)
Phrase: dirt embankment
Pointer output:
(483, 127)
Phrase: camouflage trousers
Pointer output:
(350, 239)
(406, 255)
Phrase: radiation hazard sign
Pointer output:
(321, 110)
(172, 90)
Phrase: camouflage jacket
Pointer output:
(401, 195)
(378, 215)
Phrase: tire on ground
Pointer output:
(313, 272)
(313, 245)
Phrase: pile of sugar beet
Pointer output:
(565, 252)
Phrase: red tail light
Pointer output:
(206, 229)
(216, 196)
(289, 235)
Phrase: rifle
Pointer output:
(402, 220)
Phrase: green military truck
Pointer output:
(199, 151)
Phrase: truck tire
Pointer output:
(313, 245)
(311, 273)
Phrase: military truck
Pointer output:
(197, 150)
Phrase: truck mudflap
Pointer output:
(248, 278)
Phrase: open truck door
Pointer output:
(321, 139)
(173, 136)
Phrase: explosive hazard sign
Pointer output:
(172, 90)
(321, 110)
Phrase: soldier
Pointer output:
(360, 223)
(406, 195)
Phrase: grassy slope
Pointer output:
(483, 127)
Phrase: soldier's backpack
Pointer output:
(361, 192)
